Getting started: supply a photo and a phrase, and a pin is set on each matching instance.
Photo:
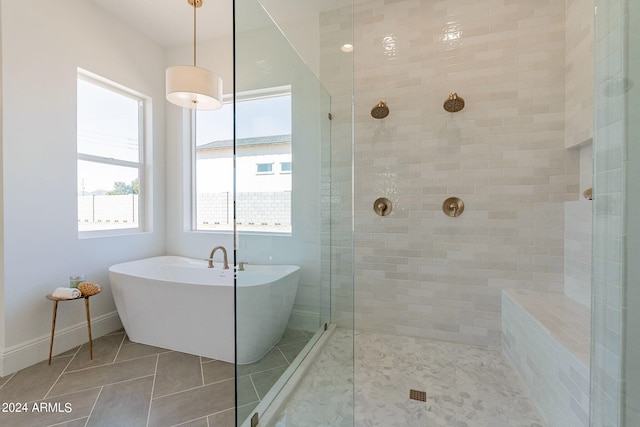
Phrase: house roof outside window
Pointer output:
(246, 142)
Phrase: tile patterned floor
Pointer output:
(129, 384)
(256, 379)
(466, 386)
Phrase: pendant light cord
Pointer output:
(194, 32)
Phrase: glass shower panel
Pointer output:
(631, 368)
(615, 367)
(283, 211)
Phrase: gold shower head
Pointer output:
(454, 103)
(380, 111)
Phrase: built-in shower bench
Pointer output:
(546, 338)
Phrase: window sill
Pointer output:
(243, 233)
(111, 233)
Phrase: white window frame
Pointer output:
(144, 114)
(190, 117)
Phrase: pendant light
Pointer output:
(194, 87)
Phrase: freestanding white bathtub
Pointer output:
(179, 304)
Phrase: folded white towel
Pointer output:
(66, 293)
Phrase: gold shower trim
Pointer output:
(454, 103)
(380, 110)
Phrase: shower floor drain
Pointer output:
(418, 395)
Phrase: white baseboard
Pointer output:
(30, 352)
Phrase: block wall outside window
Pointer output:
(263, 211)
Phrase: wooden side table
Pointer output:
(55, 312)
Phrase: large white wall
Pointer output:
(43, 43)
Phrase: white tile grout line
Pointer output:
(95, 366)
(61, 373)
(117, 363)
(190, 421)
(271, 367)
(93, 407)
(60, 356)
(284, 365)
(119, 348)
(284, 355)
(192, 388)
(153, 386)
(202, 372)
(204, 362)
(91, 388)
(65, 422)
(254, 388)
(206, 417)
(8, 379)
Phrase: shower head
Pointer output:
(380, 111)
(454, 103)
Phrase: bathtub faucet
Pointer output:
(224, 252)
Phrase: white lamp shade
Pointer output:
(193, 87)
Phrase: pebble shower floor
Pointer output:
(466, 386)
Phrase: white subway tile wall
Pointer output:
(417, 271)
(545, 337)
(577, 251)
(579, 72)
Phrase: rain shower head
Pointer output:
(380, 111)
(454, 103)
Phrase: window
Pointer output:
(263, 140)
(264, 168)
(285, 167)
(109, 143)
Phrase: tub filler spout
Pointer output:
(224, 252)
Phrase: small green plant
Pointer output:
(121, 187)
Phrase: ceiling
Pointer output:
(170, 22)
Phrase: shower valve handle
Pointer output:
(453, 207)
(382, 206)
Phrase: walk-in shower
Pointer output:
(518, 152)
